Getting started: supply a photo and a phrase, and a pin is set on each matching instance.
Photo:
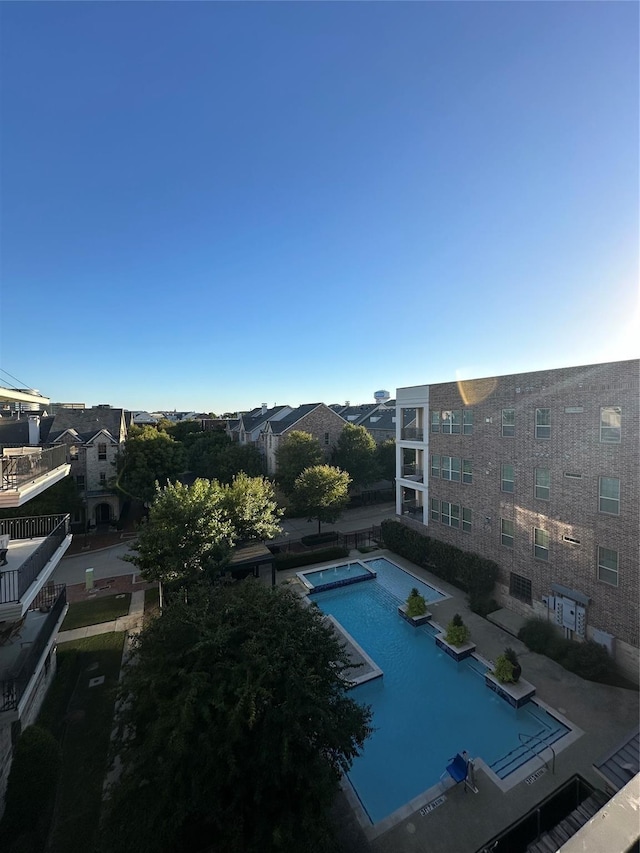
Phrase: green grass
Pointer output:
(81, 718)
(106, 609)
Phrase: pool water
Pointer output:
(427, 707)
(346, 572)
(400, 583)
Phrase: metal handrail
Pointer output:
(17, 581)
(19, 469)
(544, 745)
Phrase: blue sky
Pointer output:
(215, 205)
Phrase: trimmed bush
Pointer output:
(416, 605)
(588, 660)
(457, 632)
(482, 604)
(537, 635)
(319, 538)
(503, 670)
(292, 561)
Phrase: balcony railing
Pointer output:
(412, 434)
(13, 686)
(412, 508)
(20, 469)
(410, 472)
(17, 581)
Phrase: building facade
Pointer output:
(540, 473)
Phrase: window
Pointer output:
(103, 478)
(466, 520)
(507, 533)
(326, 438)
(450, 514)
(451, 422)
(540, 544)
(609, 495)
(570, 476)
(507, 478)
(508, 422)
(543, 423)
(608, 566)
(435, 465)
(467, 472)
(435, 421)
(435, 509)
(450, 468)
(80, 481)
(520, 587)
(542, 479)
(467, 422)
(571, 540)
(102, 451)
(610, 430)
(73, 454)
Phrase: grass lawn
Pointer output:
(84, 613)
(81, 718)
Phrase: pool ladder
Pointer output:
(522, 735)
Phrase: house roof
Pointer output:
(382, 419)
(16, 430)
(278, 427)
(257, 417)
(91, 421)
(356, 414)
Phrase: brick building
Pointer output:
(539, 472)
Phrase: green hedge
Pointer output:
(588, 660)
(320, 538)
(468, 571)
(291, 561)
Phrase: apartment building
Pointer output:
(32, 608)
(539, 472)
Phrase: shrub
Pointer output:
(320, 538)
(588, 660)
(511, 656)
(291, 561)
(416, 605)
(537, 635)
(457, 632)
(482, 604)
(503, 670)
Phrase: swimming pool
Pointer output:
(427, 707)
(342, 575)
(399, 582)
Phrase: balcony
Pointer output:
(34, 547)
(411, 472)
(25, 643)
(413, 509)
(26, 472)
(412, 434)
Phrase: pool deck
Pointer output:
(448, 820)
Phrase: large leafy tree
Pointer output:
(386, 454)
(321, 493)
(215, 456)
(356, 454)
(61, 498)
(235, 729)
(149, 456)
(298, 451)
(251, 508)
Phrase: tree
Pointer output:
(215, 456)
(251, 508)
(149, 456)
(356, 454)
(187, 534)
(60, 499)
(298, 451)
(235, 729)
(386, 454)
(183, 430)
(322, 492)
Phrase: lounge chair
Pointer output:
(458, 769)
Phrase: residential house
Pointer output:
(315, 418)
(32, 608)
(540, 473)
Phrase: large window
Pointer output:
(520, 587)
(540, 544)
(450, 468)
(507, 532)
(467, 422)
(507, 480)
(466, 519)
(435, 465)
(102, 452)
(508, 422)
(451, 422)
(467, 471)
(543, 423)
(450, 514)
(435, 509)
(542, 489)
(609, 495)
(608, 566)
(435, 421)
(610, 417)
(80, 481)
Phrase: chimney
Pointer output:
(34, 430)
(264, 408)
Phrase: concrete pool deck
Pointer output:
(463, 822)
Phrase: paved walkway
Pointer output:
(132, 622)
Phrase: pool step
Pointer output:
(551, 841)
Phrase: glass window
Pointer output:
(507, 532)
(326, 438)
(467, 422)
(608, 566)
(609, 495)
(542, 488)
(543, 423)
(508, 422)
(435, 509)
(451, 422)
(507, 477)
(466, 519)
(610, 429)
(540, 544)
(435, 465)
(73, 454)
(103, 478)
(102, 451)
(80, 481)
(450, 514)
(520, 587)
(450, 468)
(467, 471)
(435, 421)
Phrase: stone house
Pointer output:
(315, 418)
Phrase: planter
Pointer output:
(516, 695)
(458, 653)
(416, 621)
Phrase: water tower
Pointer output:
(381, 396)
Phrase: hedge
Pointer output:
(320, 538)
(588, 660)
(471, 573)
(291, 561)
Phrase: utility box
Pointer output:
(88, 578)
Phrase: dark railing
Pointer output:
(17, 581)
(410, 471)
(412, 434)
(53, 600)
(354, 539)
(30, 527)
(27, 467)
(412, 508)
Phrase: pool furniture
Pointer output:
(459, 769)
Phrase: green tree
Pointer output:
(60, 499)
(183, 430)
(386, 454)
(187, 534)
(298, 451)
(215, 456)
(356, 454)
(149, 456)
(236, 728)
(321, 493)
(250, 506)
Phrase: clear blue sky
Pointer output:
(215, 205)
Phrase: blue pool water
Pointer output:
(427, 707)
(345, 572)
(400, 583)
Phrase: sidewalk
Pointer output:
(131, 622)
